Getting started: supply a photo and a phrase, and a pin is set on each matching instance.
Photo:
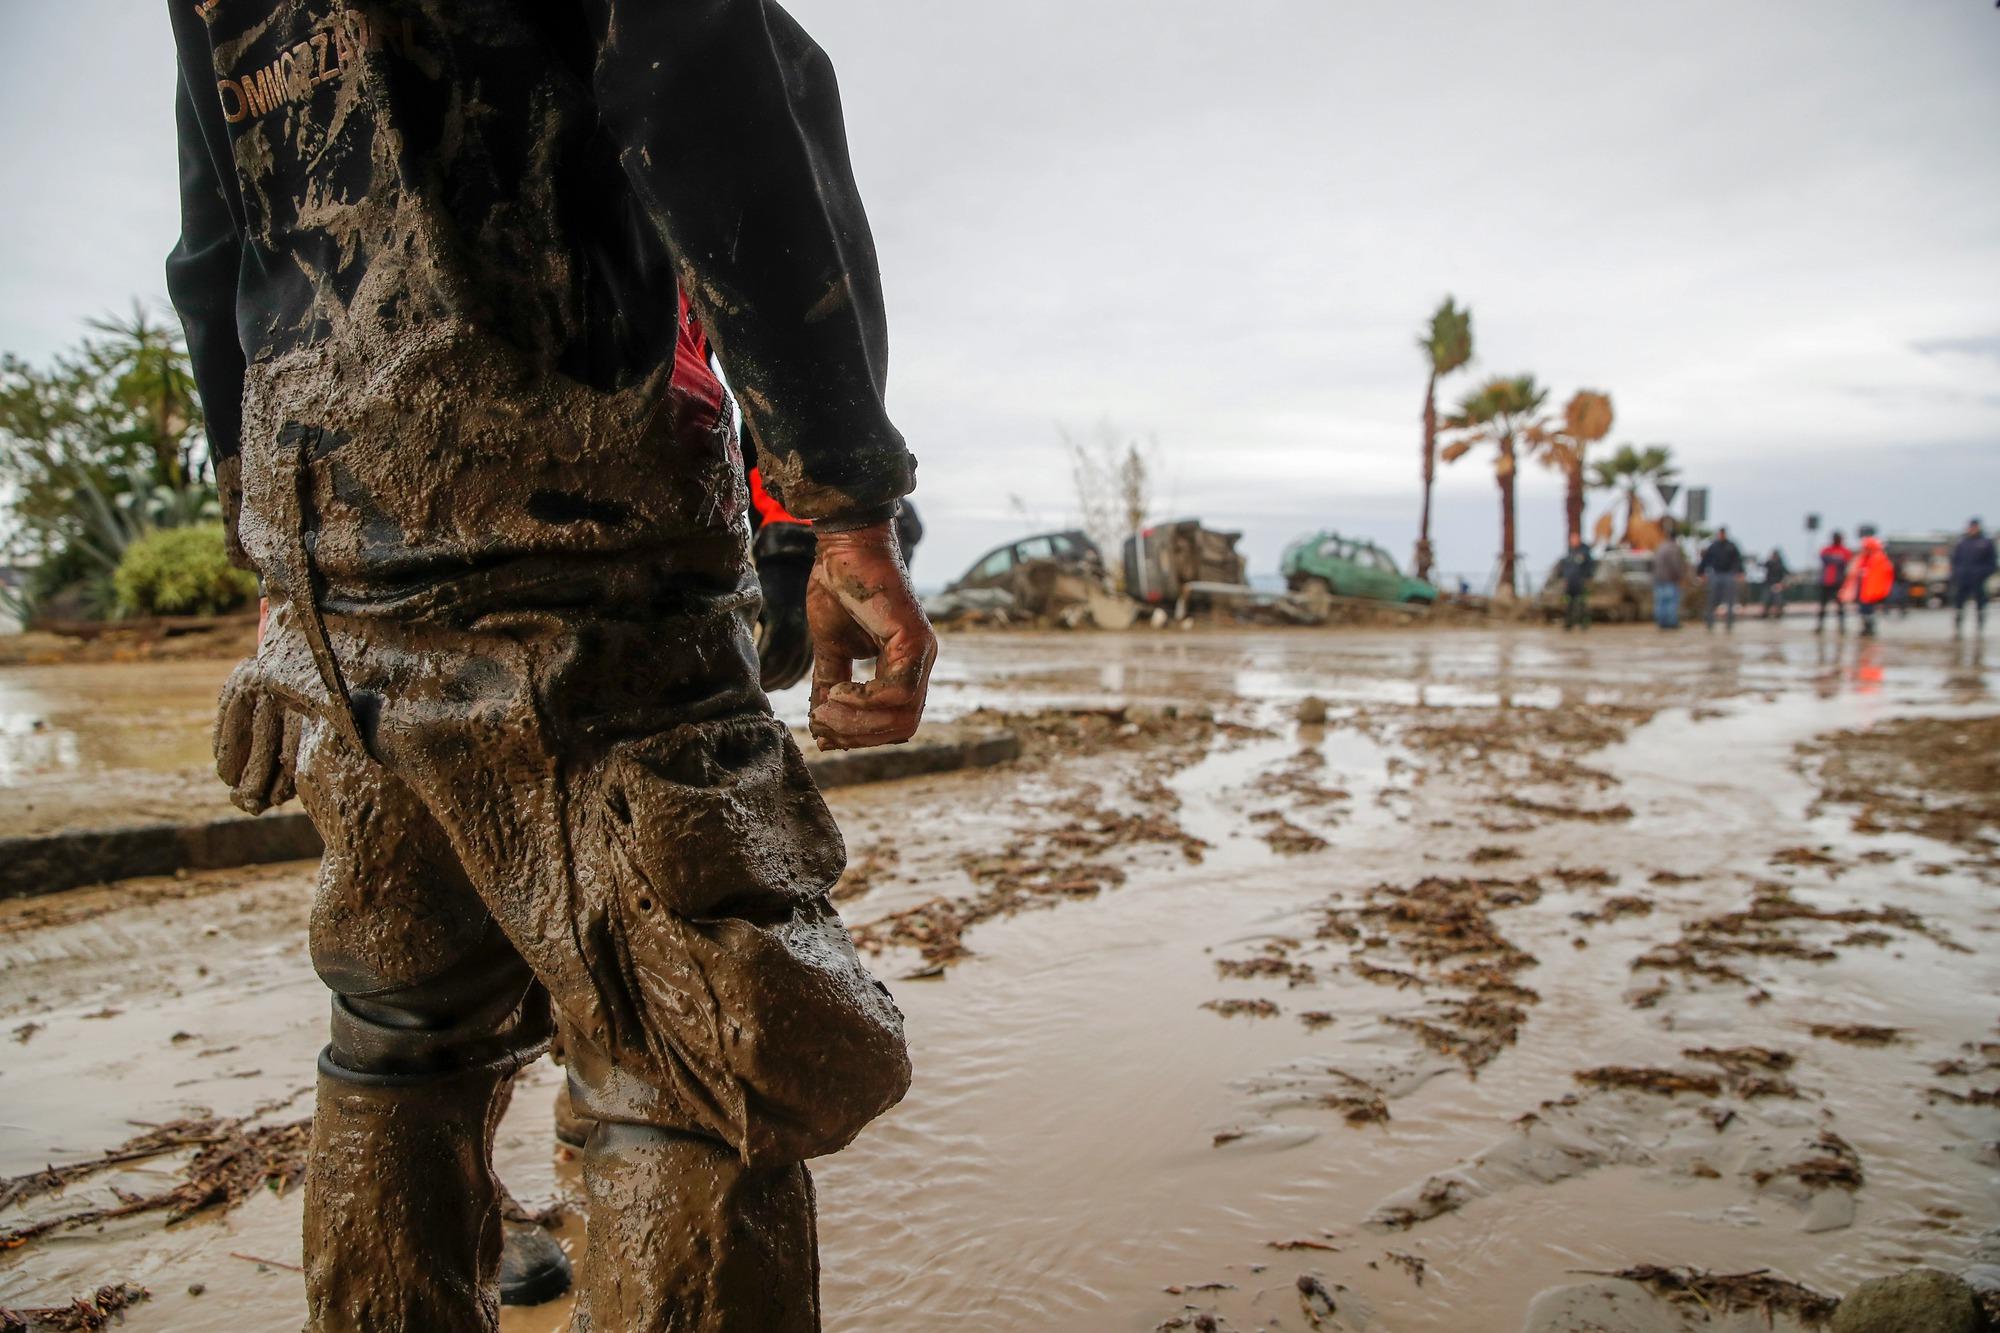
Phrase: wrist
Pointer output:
(871, 538)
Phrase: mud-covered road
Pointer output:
(1524, 958)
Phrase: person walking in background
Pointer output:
(1722, 567)
(1834, 558)
(1775, 574)
(1670, 569)
(1973, 562)
(1871, 577)
(1579, 566)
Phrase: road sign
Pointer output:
(1668, 490)
(1812, 522)
(1697, 506)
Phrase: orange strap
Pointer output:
(768, 508)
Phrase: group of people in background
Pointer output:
(1869, 579)
(1864, 577)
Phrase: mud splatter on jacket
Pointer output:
(432, 250)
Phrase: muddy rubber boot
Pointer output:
(685, 1239)
(402, 1213)
(572, 1126)
(533, 1268)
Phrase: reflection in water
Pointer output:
(1966, 677)
(1868, 668)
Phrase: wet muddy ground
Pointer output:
(1523, 960)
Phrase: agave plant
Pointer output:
(101, 446)
(1505, 412)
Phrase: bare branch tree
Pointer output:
(1113, 476)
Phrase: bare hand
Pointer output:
(859, 605)
(256, 741)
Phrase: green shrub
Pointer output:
(181, 572)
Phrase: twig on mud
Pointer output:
(273, 1263)
(231, 1163)
(104, 1305)
(1754, 1291)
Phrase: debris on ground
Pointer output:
(1445, 927)
(1296, 778)
(1742, 1059)
(233, 1159)
(1659, 1082)
(1829, 1163)
(1938, 777)
(1315, 1301)
(1857, 1034)
(1285, 837)
(1273, 963)
(1803, 856)
(1243, 1008)
(104, 1306)
(1756, 1292)
(1063, 853)
(1412, 1264)
(1775, 924)
(865, 869)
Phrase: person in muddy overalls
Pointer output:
(430, 268)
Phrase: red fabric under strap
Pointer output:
(692, 375)
(768, 508)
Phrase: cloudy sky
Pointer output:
(1771, 231)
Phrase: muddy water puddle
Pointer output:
(1373, 1101)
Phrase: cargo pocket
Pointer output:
(712, 819)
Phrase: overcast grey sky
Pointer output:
(1770, 230)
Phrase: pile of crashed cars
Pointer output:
(1170, 573)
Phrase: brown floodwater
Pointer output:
(1057, 1165)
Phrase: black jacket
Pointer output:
(1578, 566)
(430, 257)
(1721, 557)
(1972, 561)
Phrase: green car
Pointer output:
(1328, 564)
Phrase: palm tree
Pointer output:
(1628, 469)
(1504, 412)
(1586, 420)
(1447, 346)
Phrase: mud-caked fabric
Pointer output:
(458, 233)
(590, 744)
(718, 1247)
(402, 1211)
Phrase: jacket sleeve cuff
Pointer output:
(859, 518)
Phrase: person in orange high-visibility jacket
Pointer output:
(1871, 576)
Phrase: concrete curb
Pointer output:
(30, 867)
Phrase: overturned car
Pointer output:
(1044, 575)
